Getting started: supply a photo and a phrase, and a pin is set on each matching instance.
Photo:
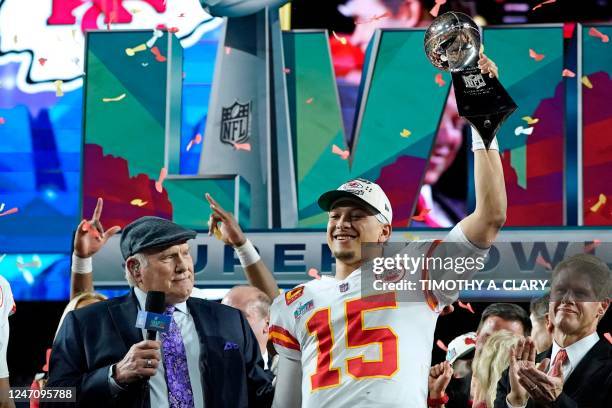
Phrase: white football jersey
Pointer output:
(362, 351)
(7, 308)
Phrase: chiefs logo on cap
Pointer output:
(293, 295)
(353, 184)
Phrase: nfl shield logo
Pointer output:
(475, 81)
(236, 123)
(343, 287)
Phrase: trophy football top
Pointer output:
(452, 42)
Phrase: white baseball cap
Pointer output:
(362, 190)
(461, 346)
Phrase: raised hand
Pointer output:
(90, 235)
(223, 225)
(439, 377)
(543, 388)
(521, 355)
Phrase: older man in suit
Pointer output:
(209, 357)
(577, 371)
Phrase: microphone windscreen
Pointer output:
(155, 302)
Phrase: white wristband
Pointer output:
(81, 265)
(478, 143)
(247, 254)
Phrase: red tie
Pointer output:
(562, 357)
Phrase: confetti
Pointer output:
(1, 207)
(530, 120)
(173, 30)
(439, 80)
(535, 55)
(568, 73)
(589, 248)
(286, 70)
(145, 64)
(405, 133)
(466, 306)
(313, 273)
(158, 56)
(608, 337)
(2, 120)
(568, 30)
(441, 345)
(436, 9)
(587, 82)
(156, 34)
(242, 146)
(543, 262)
(593, 32)
(196, 140)
(162, 176)
(42, 61)
(421, 215)
(9, 212)
(115, 99)
(411, 237)
(228, 50)
(344, 154)
(374, 18)
(339, 38)
(132, 51)
(58, 88)
(309, 100)
(600, 202)
(2, 257)
(138, 202)
(543, 3)
(523, 131)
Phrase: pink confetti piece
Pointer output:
(313, 273)
(608, 337)
(440, 80)
(543, 262)
(590, 247)
(13, 210)
(158, 56)
(421, 215)
(2, 120)
(436, 9)
(163, 173)
(533, 54)
(242, 146)
(593, 32)
(568, 73)
(42, 61)
(344, 154)
(543, 3)
(173, 30)
(228, 50)
(287, 70)
(441, 345)
(465, 306)
(309, 100)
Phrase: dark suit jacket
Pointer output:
(588, 386)
(95, 337)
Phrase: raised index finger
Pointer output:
(98, 211)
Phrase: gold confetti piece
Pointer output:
(138, 202)
(530, 120)
(58, 88)
(602, 200)
(132, 51)
(116, 99)
(405, 133)
(411, 237)
(587, 82)
(339, 38)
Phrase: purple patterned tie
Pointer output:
(180, 394)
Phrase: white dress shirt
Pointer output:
(157, 383)
(575, 353)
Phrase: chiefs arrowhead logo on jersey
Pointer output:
(293, 295)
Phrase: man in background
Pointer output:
(7, 308)
(541, 328)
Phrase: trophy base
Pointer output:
(483, 101)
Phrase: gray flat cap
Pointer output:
(150, 232)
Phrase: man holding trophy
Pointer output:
(340, 349)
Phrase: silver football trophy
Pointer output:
(452, 43)
(248, 105)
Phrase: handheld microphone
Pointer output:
(154, 309)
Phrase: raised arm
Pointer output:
(88, 239)
(224, 226)
(481, 227)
